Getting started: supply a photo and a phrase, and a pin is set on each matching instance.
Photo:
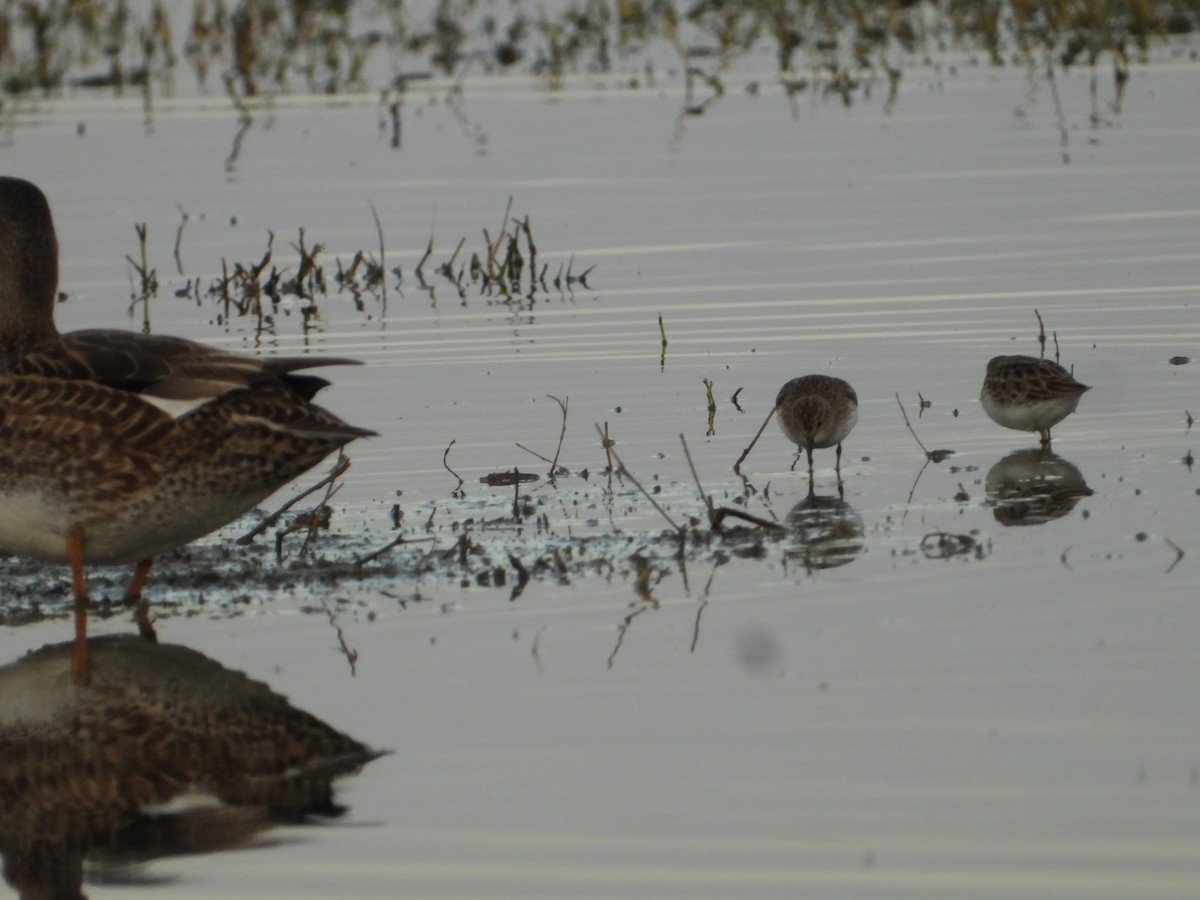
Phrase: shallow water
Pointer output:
(1010, 710)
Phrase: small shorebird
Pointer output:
(817, 411)
(117, 446)
(1029, 394)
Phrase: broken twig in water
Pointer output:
(716, 515)
(621, 470)
(728, 512)
(342, 464)
(562, 432)
(1178, 554)
(351, 655)
(522, 577)
(558, 470)
(321, 514)
(931, 455)
(737, 466)
(148, 276)
(390, 545)
(179, 238)
(382, 261)
(507, 478)
(708, 504)
(458, 487)
(555, 468)
(419, 271)
(712, 407)
(944, 545)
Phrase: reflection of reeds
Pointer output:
(846, 48)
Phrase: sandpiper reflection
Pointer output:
(1034, 486)
(826, 532)
(86, 771)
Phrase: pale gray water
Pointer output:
(1020, 720)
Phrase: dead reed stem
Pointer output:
(382, 261)
(621, 470)
(148, 277)
(562, 432)
(179, 239)
(351, 655)
(912, 430)
(446, 466)
(317, 518)
(687, 454)
(737, 466)
(342, 464)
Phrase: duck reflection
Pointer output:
(1034, 486)
(826, 532)
(88, 772)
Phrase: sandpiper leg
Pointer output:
(1045, 433)
(80, 667)
(133, 594)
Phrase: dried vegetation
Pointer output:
(838, 48)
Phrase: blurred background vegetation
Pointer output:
(255, 47)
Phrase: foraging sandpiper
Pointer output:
(817, 411)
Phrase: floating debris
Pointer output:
(507, 479)
(945, 545)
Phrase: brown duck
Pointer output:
(117, 446)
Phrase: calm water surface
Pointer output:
(1014, 711)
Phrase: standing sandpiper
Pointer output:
(1029, 394)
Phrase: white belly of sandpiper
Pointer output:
(1042, 414)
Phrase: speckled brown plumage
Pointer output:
(1029, 394)
(116, 446)
(817, 411)
(158, 722)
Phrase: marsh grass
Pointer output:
(146, 285)
(504, 270)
